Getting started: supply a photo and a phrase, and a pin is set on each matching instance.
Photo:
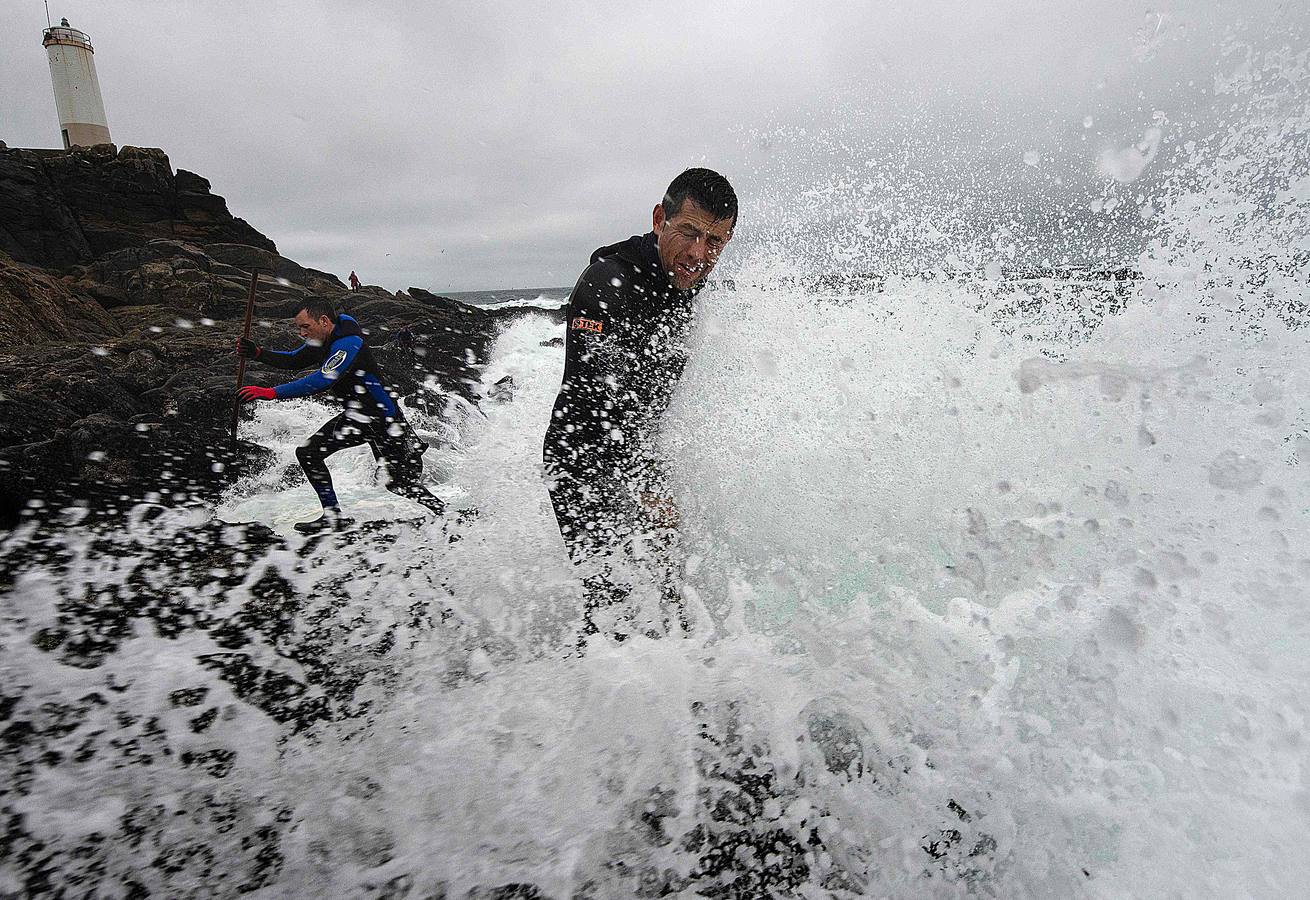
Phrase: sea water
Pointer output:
(998, 588)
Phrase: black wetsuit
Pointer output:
(625, 349)
(373, 416)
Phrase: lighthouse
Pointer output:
(77, 90)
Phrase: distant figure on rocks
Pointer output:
(625, 349)
(354, 281)
(335, 344)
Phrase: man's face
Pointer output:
(314, 332)
(690, 242)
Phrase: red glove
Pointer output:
(250, 393)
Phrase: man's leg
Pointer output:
(338, 434)
(401, 451)
(594, 522)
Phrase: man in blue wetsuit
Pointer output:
(336, 345)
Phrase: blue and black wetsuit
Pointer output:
(346, 369)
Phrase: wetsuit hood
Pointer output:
(346, 326)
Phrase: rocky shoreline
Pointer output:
(122, 289)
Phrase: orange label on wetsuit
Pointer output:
(588, 325)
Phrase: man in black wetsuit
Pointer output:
(337, 346)
(625, 349)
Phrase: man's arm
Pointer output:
(341, 355)
(300, 358)
(292, 360)
(591, 355)
(592, 410)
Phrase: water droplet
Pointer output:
(1234, 471)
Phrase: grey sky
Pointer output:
(461, 146)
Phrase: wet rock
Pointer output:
(34, 307)
(244, 257)
(423, 296)
(961, 852)
(64, 207)
(841, 740)
(503, 390)
(513, 891)
(740, 852)
(36, 224)
(119, 198)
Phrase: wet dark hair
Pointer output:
(318, 306)
(707, 189)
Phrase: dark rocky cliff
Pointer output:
(122, 289)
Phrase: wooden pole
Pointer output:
(241, 360)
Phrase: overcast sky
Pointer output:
(460, 146)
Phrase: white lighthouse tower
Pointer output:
(77, 90)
